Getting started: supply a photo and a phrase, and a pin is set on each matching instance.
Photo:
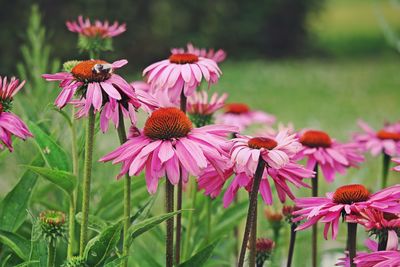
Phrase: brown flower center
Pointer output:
(94, 31)
(262, 142)
(349, 194)
(167, 123)
(183, 58)
(385, 135)
(390, 216)
(236, 108)
(314, 138)
(92, 71)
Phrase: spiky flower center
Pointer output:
(386, 135)
(166, 124)
(349, 194)
(236, 108)
(273, 216)
(264, 245)
(315, 139)
(94, 31)
(52, 217)
(183, 58)
(93, 70)
(262, 142)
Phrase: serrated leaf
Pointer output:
(64, 180)
(52, 153)
(201, 257)
(98, 248)
(14, 205)
(146, 225)
(95, 223)
(16, 243)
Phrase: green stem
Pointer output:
(352, 241)
(93, 55)
(314, 240)
(209, 213)
(251, 210)
(382, 241)
(87, 173)
(169, 207)
(127, 195)
(75, 171)
(190, 222)
(385, 169)
(51, 250)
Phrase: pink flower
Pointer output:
(385, 141)
(277, 152)
(240, 115)
(346, 200)
(181, 73)
(397, 168)
(369, 243)
(218, 56)
(101, 89)
(98, 29)
(268, 130)
(329, 154)
(199, 104)
(378, 259)
(170, 146)
(10, 124)
(212, 181)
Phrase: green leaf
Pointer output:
(16, 243)
(38, 248)
(201, 257)
(51, 152)
(95, 223)
(64, 180)
(115, 263)
(27, 263)
(98, 248)
(229, 218)
(14, 205)
(146, 225)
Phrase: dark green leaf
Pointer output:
(146, 225)
(115, 263)
(201, 257)
(64, 180)
(16, 243)
(98, 249)
(27, 263)
(95, 223)
(52, 153)
(14, 205)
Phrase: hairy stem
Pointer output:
(352, 241)
(251, 209)
(87, 173)
(253, 240)
(75, 171)
(291, 244)
(385, 169)
(51, 250)
(190, 222)
(314, 227)
(169, 207)
(382, 241)
(127, 195)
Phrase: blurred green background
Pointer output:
(318, 64)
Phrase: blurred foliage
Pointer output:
(243, 28)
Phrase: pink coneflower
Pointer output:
(264, 248)
(346, 200)
(213, 181)
(386, 140)
(397, 161)
(170, 146)
(201, 109)
(369, 243)
(97, 29)
(218, 56)
(277, 152)
(268, 130)
(181, 74)
(240, 115)
(99, 88)
(329, 154)
(378, 259)
(384, 225)
(10, 124)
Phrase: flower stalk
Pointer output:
(314, 238)
(251, 210)
(169, 207)
(293, 227)
(190, 221)
(385, 169)
(253, 240)
(51, 253)
(127, 195)
(89, 141)
(352, 241)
